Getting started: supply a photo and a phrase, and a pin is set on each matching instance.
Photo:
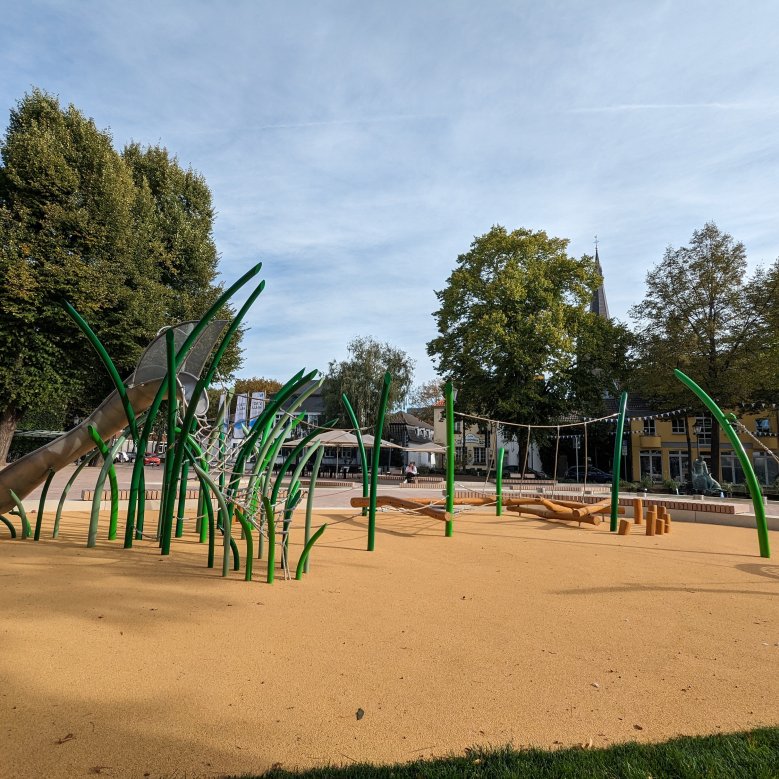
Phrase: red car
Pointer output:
(151, 459)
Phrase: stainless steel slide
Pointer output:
(26, 473)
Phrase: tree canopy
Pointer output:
(361, 376)
(703, 314)
(126, 238)
(424, 397)
(515, 334)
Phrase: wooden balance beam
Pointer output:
(568, 511)
(544, 513)
(418, 505)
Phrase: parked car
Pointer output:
(151, 459)
(131, 457)
(594, 475)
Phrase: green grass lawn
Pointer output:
(750, 755)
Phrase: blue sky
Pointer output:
(357, 147)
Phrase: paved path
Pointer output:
(326, 497)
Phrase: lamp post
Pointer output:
(697, 428)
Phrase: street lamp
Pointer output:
(697, 428)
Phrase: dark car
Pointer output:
(151, 459)
(594, 475)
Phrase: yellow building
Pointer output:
(659, 446)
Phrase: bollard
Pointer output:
(651, 517)
(624, 527)
(638, 511)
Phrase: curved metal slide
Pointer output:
(26, 473)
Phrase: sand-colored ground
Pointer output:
(123, 663)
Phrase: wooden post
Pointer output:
(638, 511)
(651, 516)
(624, 527)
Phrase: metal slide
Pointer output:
(26, 473)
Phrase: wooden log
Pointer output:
(556, 507)
(638, 511)
(544, 513)
(624, 527)
(593, 508)
(651, 517)
(433, 511)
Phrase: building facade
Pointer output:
(661, 446)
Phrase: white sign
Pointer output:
(241, 402)
(257, 407)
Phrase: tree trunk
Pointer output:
(688, 480)
(9, 417)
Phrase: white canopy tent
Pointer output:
(342, 439)
(424, 453)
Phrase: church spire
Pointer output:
(598, 305)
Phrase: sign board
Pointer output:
(240, 419)
(257, 407)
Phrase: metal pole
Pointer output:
(623, 404)
(449, 405)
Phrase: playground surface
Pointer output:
(124, 663)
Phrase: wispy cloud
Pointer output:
(768, 105)
(358, 148)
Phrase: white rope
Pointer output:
(545, 427)
(757, 441)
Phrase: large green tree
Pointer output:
(80, 222)
(175, 220)
(515, 332)
(702, 313)
(361, 376)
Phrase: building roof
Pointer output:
(404, 418)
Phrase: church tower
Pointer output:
(598, 305)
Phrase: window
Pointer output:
(479, 455)
(763, 426)
(766, 468)
(649, 427)
(703, 430)
(679, 426)
(731, 468)
(312, 419)
(652, 464)
(679, 465)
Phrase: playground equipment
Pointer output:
(178, 367)
(729, 424)
(571, 511)
(619, 418)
